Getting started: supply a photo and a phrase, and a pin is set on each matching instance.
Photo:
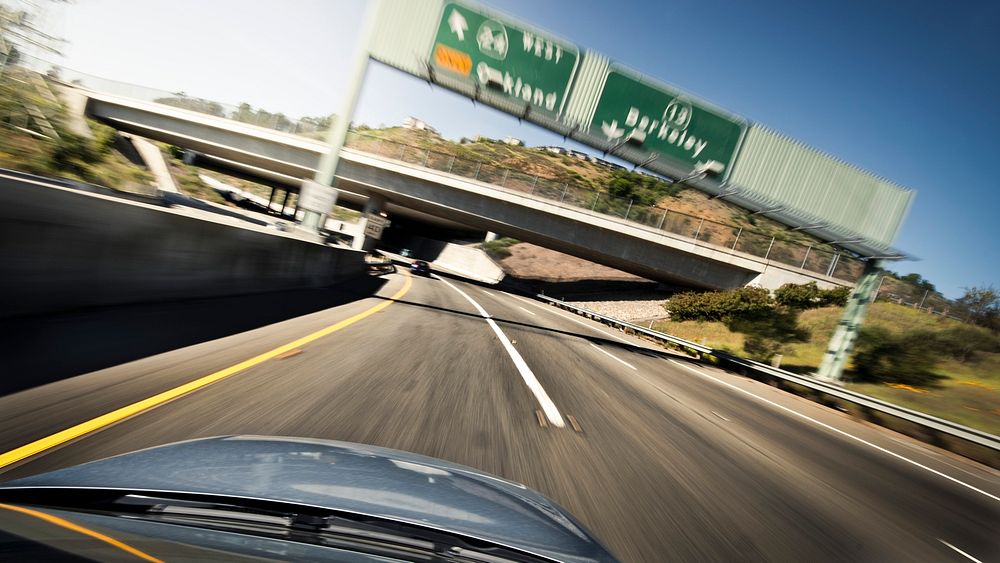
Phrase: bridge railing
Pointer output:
(723, 237)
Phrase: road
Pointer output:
(662, 457)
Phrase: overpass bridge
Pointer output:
(654, 243)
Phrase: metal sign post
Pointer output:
(325, 173)
(846, 333)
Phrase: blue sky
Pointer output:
(907, 90)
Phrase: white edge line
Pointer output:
(532, 313)
(837, 430)
(612, 356)
(548, 407)
(971, 558)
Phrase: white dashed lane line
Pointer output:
(567, 317)
(969, 557)
(612, 356)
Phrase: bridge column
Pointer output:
(284, 202)
(270, 200)
(374, 206)
(846, 333)
(491, 236)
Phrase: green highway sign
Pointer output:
(521, 64)
(665, 123)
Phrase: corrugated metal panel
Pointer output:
(772, 167)
(404, 32)
(587, 89)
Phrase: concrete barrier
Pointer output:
(62, 249)
(470, 262)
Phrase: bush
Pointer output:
(176, 152)
(741, 303)
(809, 296)
(836, 297)
(498, 249)
(908, 358)
(965, 342)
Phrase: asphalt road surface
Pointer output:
(663, 458)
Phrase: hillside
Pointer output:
(968, 394)
(36, 136)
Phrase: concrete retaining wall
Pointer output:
(470, 262)
(62, 249)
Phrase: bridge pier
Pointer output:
(373, 206)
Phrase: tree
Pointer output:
(19, 33)
(982, 306)
(918, 281)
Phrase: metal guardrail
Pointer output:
(978, 437)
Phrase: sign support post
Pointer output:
(846, 333)
(325, 172)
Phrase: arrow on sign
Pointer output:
(612, 130)
(458, 24)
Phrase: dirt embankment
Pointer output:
(527, 261)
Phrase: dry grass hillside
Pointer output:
(527, 261)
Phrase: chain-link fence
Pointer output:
(892, 290)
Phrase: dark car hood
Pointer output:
(349, 477)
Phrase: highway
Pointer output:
(664, 458)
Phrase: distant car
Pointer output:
(420, 268)
(285, 498)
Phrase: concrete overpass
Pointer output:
(283, 160)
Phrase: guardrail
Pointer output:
(981, 446)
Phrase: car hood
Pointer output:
(349, 477)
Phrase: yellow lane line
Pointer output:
(81, 530)
(118, 415)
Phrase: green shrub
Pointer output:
(176, 152)
(798, 296)
(498, 249)
(742, 303)
(809, 296)
(885, 357)
(836, 297)
(965, 342)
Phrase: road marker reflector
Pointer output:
(574, 423)
(541, 419)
